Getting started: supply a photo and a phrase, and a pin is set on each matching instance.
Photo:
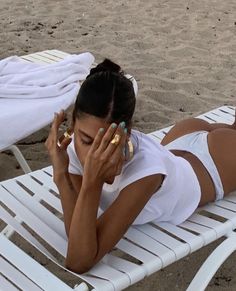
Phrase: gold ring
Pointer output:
(67, 134)
(116, 139)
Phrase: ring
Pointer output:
(116, 139)
(67, 134)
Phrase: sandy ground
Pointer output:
(182, 53)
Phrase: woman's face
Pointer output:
(85, 130)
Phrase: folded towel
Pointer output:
(22, 79)
(30, 93)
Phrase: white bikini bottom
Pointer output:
(196, 143)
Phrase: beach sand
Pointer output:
(182, 53)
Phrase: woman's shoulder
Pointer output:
(146, 161)
(146, 152)
(144, 143)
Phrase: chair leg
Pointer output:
(21, 160)
(213, 263)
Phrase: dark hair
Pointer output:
(106, 93)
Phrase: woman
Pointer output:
(133, 178)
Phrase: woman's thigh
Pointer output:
(222, 147)
(184, 127)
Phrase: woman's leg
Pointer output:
(222, 147)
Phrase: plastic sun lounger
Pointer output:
(31, 202)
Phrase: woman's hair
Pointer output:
(106, 93)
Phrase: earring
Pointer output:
(129, 150)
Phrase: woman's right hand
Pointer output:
(105, 159)
(58, 154)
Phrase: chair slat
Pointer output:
(17, 277)
(134, 271)
(40, 275)
(218, 118)
(179, 248)
(151, 263)
(195, 242)
(226, 204)
(211, 208)
(39, 227)
(224, 115)
(50, 57)
(166, 255)
(32, 59)
(208, 234)
(37, 57)
(6, 285)
(12, 221)
(45, 179)
(219, 227)
(34, 206)
(119, 279)
(57, 53)
(41, 193)
(206, 118)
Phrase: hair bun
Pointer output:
(106, 65)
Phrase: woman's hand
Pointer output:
(105, 159)
(58, 154)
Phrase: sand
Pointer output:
(182, 53)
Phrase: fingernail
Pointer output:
(125, 130)
(101, 130)
(114, 125)
(122, 124)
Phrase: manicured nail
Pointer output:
(114, 125)
(125, 130)
(101, 130)
(122, 124)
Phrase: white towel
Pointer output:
(30, 93)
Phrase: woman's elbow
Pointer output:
(79, 267)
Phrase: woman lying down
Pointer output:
(132, 178)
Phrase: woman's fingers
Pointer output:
(108, 136)
(113, 155)
(117, 142)
(64, 144)
(58, 119)
(53, 134)
(118, 152)
(97, 140)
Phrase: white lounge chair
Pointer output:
(30, 202)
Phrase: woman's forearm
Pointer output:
(83, 243)
(68, 197)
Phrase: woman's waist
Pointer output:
(203, 176)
